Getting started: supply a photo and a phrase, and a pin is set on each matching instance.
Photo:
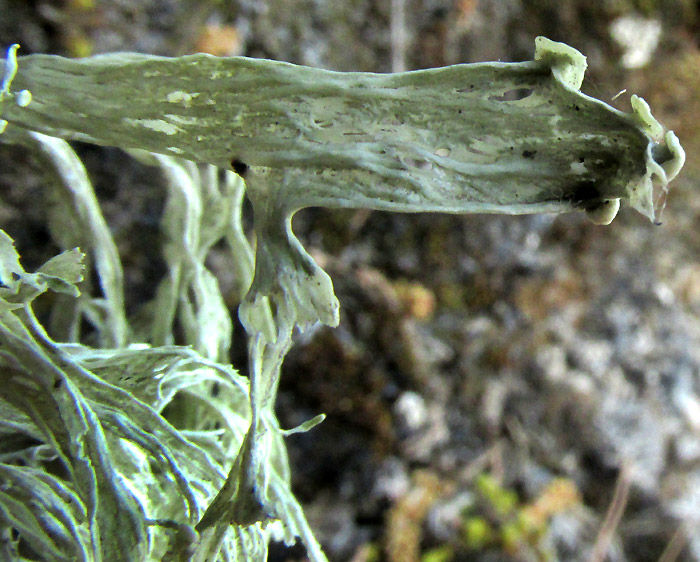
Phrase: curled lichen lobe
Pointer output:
(486, 137)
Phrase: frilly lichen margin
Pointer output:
(117, 410)
(22, 98)
(664, 158)
(567, 64)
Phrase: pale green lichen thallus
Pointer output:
(473, 138)
(486, 137)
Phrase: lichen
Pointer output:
(213, 477)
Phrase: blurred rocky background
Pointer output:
(500, 388)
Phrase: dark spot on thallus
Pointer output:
(241, 168)
(16, 276)
(529, 154)
(583, 193)
(57, 384)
